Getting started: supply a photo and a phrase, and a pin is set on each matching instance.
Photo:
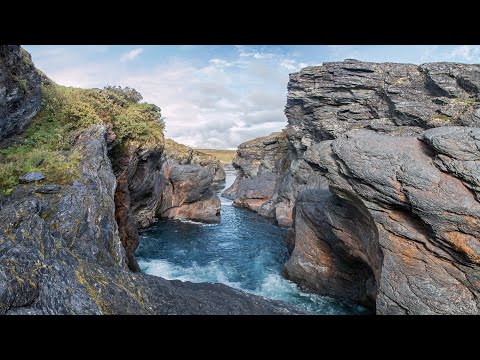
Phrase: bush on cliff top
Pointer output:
(65, 111)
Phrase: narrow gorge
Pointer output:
(98, 169)
(367, 202)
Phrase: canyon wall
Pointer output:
(383, 185)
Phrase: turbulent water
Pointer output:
(244, 251)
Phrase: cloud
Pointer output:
(219, 101)
(342, 52)
(132, 54)
(244, 51)
(217, 97)
(465, 53)
(292, 65)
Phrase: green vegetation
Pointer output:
(22, 83)
(177, 151)
(47, 143)
(468, 102)
(26, 57)
(437, 117)
(224, 156)
(401, 81)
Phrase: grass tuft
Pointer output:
(47, 143)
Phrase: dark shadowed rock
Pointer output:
(138, 192)
(48, 189)
(20, 90)
(161, 180)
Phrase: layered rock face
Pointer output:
(162, 181)
(188, 194)
(20, 91)
(184, 155)
(260, 164)
(61, 253)
(386, 213)
(382, 180)
(138, 193)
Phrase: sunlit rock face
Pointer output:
(381, 181)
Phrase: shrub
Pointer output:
(47, 142)
(128, 94)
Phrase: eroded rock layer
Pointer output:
(383, 184)
(260, 164)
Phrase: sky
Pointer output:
(217, 96)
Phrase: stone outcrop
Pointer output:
(162, 181)
(184, 155)
(260, 164)
(188, 194)
(20, 91)
(386, 213)
(61, 253)
(383, 184)
(138, 192)
(68, 248)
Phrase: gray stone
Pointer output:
(32, 177)
(260, 164)
(20, 90)
(49, 189)
(383, 185)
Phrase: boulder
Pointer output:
(32, 177)
(188, 194)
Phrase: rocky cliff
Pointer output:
(61, 253)
(383, 184)
(19, 90)
(260, 165)
(159, 181)
(69, 228)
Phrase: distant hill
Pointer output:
(225, 156)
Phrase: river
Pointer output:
(244, 251)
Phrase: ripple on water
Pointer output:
(245, 251)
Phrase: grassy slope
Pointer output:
(46, 144)
(225, 156)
